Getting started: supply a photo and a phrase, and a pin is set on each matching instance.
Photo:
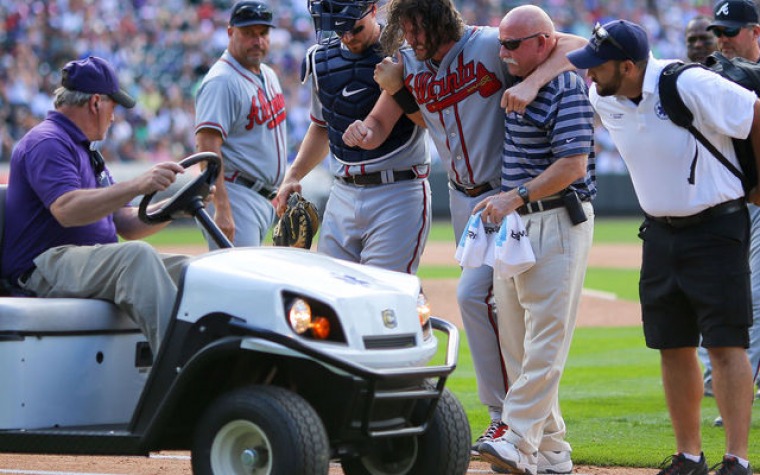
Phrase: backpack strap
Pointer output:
(679, 114)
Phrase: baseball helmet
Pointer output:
(337, 15)
(251, 12)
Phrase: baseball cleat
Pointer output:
(495, 429)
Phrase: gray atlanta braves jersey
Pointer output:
(249, 111)
(460, 102)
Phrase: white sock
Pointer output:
(742, 462)
(693, 458)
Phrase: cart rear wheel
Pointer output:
(260, 430)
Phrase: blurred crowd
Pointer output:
(163, 48)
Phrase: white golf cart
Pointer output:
(276, 361)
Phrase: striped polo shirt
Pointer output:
(558, 123)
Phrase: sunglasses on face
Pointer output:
(727, 32)
(357, 29)
(601, 35)
(354, 31)
(515, 43)
(252, 12)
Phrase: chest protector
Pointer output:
(348, 92)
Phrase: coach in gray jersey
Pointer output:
(378, 212)
(240, 116)
(548, 178)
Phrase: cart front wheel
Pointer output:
(260, 430)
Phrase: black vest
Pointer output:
(347, 92)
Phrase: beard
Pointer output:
(611, 87)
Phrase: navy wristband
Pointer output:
(405, 99)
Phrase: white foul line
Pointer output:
(43, 472)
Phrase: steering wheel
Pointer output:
(190, 197)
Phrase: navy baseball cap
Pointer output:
(617, 40)
(251, 12)
(734, 14)
(95, 76)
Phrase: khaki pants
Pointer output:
(537, 311)
(140, 281)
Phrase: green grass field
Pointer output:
(621, 230)
(612, 401)
(611, 393)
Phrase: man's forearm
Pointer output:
(557, 62)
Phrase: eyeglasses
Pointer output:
(258, 13)
(513, 44)
(729, 32)
(601, 35)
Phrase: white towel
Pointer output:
(473, 244)
(513, 252)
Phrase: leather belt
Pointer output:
(376, 178)
(255, 185)
(472, 191)
(713, 212)
(540, 205)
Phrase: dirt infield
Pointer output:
(595, 310)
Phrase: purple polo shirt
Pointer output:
(50, 160)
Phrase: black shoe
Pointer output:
(680, 465)
(731, 466)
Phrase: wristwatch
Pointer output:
(523, 192)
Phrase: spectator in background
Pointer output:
(173, 43)
(700, 42)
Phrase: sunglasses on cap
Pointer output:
(729, 32)
(515, 43)
(257, 13)
(601, 35)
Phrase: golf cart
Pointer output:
(276, 361)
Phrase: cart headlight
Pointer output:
(423, 311)
(300, 316)
(312, 319)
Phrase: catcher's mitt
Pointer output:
(298, 225)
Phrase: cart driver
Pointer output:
(64, 211)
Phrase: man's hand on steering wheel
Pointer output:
(191, 197)
(159, 177)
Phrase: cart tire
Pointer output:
(260, 430)
(444, 448)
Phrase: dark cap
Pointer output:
(734, 14)
(95, 76)
(251, 12)
(617, 40)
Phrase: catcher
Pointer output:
(378, 212)
(298, 224)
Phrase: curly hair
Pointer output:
(439, 19)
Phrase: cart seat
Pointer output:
(61, 315)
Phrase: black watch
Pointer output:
(523, 192)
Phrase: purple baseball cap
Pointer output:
(618, 40)
(95, 76)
